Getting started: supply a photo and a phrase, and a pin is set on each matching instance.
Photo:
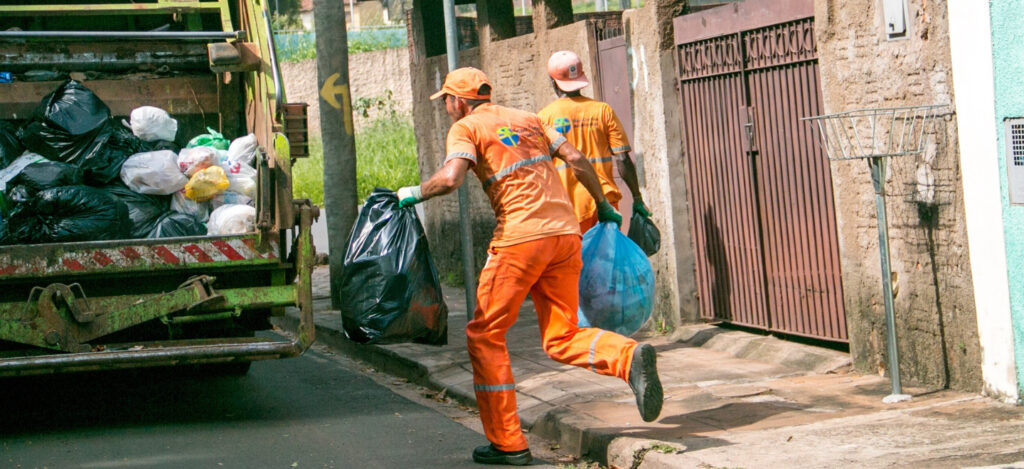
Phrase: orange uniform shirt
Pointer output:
(511, 155)
(594, 129)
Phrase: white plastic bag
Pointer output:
(243, 149)
(241, 177)
(182, 204)
(193, 160)
(152, 123)
(16, 166)
(154, 172)
(231, 219)
(229, 198)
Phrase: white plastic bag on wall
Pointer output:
(152, 123)
(154, 172)
(231, 219)
(243, 149)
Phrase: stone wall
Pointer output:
(936, 324)
(371, 74)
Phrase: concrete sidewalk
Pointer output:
(732, 399)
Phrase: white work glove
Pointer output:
(409, 196)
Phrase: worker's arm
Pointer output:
(582, 168)
(445, 181)
(586, 175)
(628, 172)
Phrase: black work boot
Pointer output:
(643, 380)
(491, 455)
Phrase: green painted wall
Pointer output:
(1008, 62)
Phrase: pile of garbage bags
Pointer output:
(74, 173)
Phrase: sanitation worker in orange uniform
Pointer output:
(594, 129)
(535, 250)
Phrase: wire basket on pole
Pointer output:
(878, 132)
(876, 135)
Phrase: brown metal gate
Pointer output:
(760, 189)
(612, 86)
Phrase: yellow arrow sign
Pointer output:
(330, 93)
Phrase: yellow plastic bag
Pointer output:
(206, 184)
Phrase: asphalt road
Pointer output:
(314, 411)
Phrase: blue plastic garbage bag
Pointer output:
(616, 283)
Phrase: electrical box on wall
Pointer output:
(1014, 134)
(895, 17)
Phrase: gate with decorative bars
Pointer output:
(760, 190)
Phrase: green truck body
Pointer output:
(159, 302)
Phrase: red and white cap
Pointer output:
(567, 71)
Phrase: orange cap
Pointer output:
(567, 71)
(464, 82)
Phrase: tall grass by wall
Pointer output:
(295, 46)
(385, 157)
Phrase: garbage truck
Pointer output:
(179, 301)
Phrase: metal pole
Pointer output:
(337, 133)
(465, 229)
(184, 35)
(877, 165)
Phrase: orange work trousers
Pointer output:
(592, 220)
(549, 270)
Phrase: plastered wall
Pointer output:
(371, 74)
(936, 323)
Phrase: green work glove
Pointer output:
(640, 208)
(605, 212)
(409, 196)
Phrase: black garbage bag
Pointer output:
(643, 232)
(66, 122)
(157, 145)
(73, 213)
(10, 147)
(389, 289)
(73, 126)
(176, 224)
(143, 209)
(44, 175)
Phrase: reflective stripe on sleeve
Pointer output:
(593, 346)
(461, 154)
(557, 143)
(514, 166)
(494, 387)
(621, 149)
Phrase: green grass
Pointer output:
(385, 157)
(296, 46)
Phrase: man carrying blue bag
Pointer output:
(535, 250)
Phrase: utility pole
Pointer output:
(337, 133)
(465, 224)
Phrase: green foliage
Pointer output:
(308, 174)
(383, 106)
(286, 21)
(385, 157)
(295, 46)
